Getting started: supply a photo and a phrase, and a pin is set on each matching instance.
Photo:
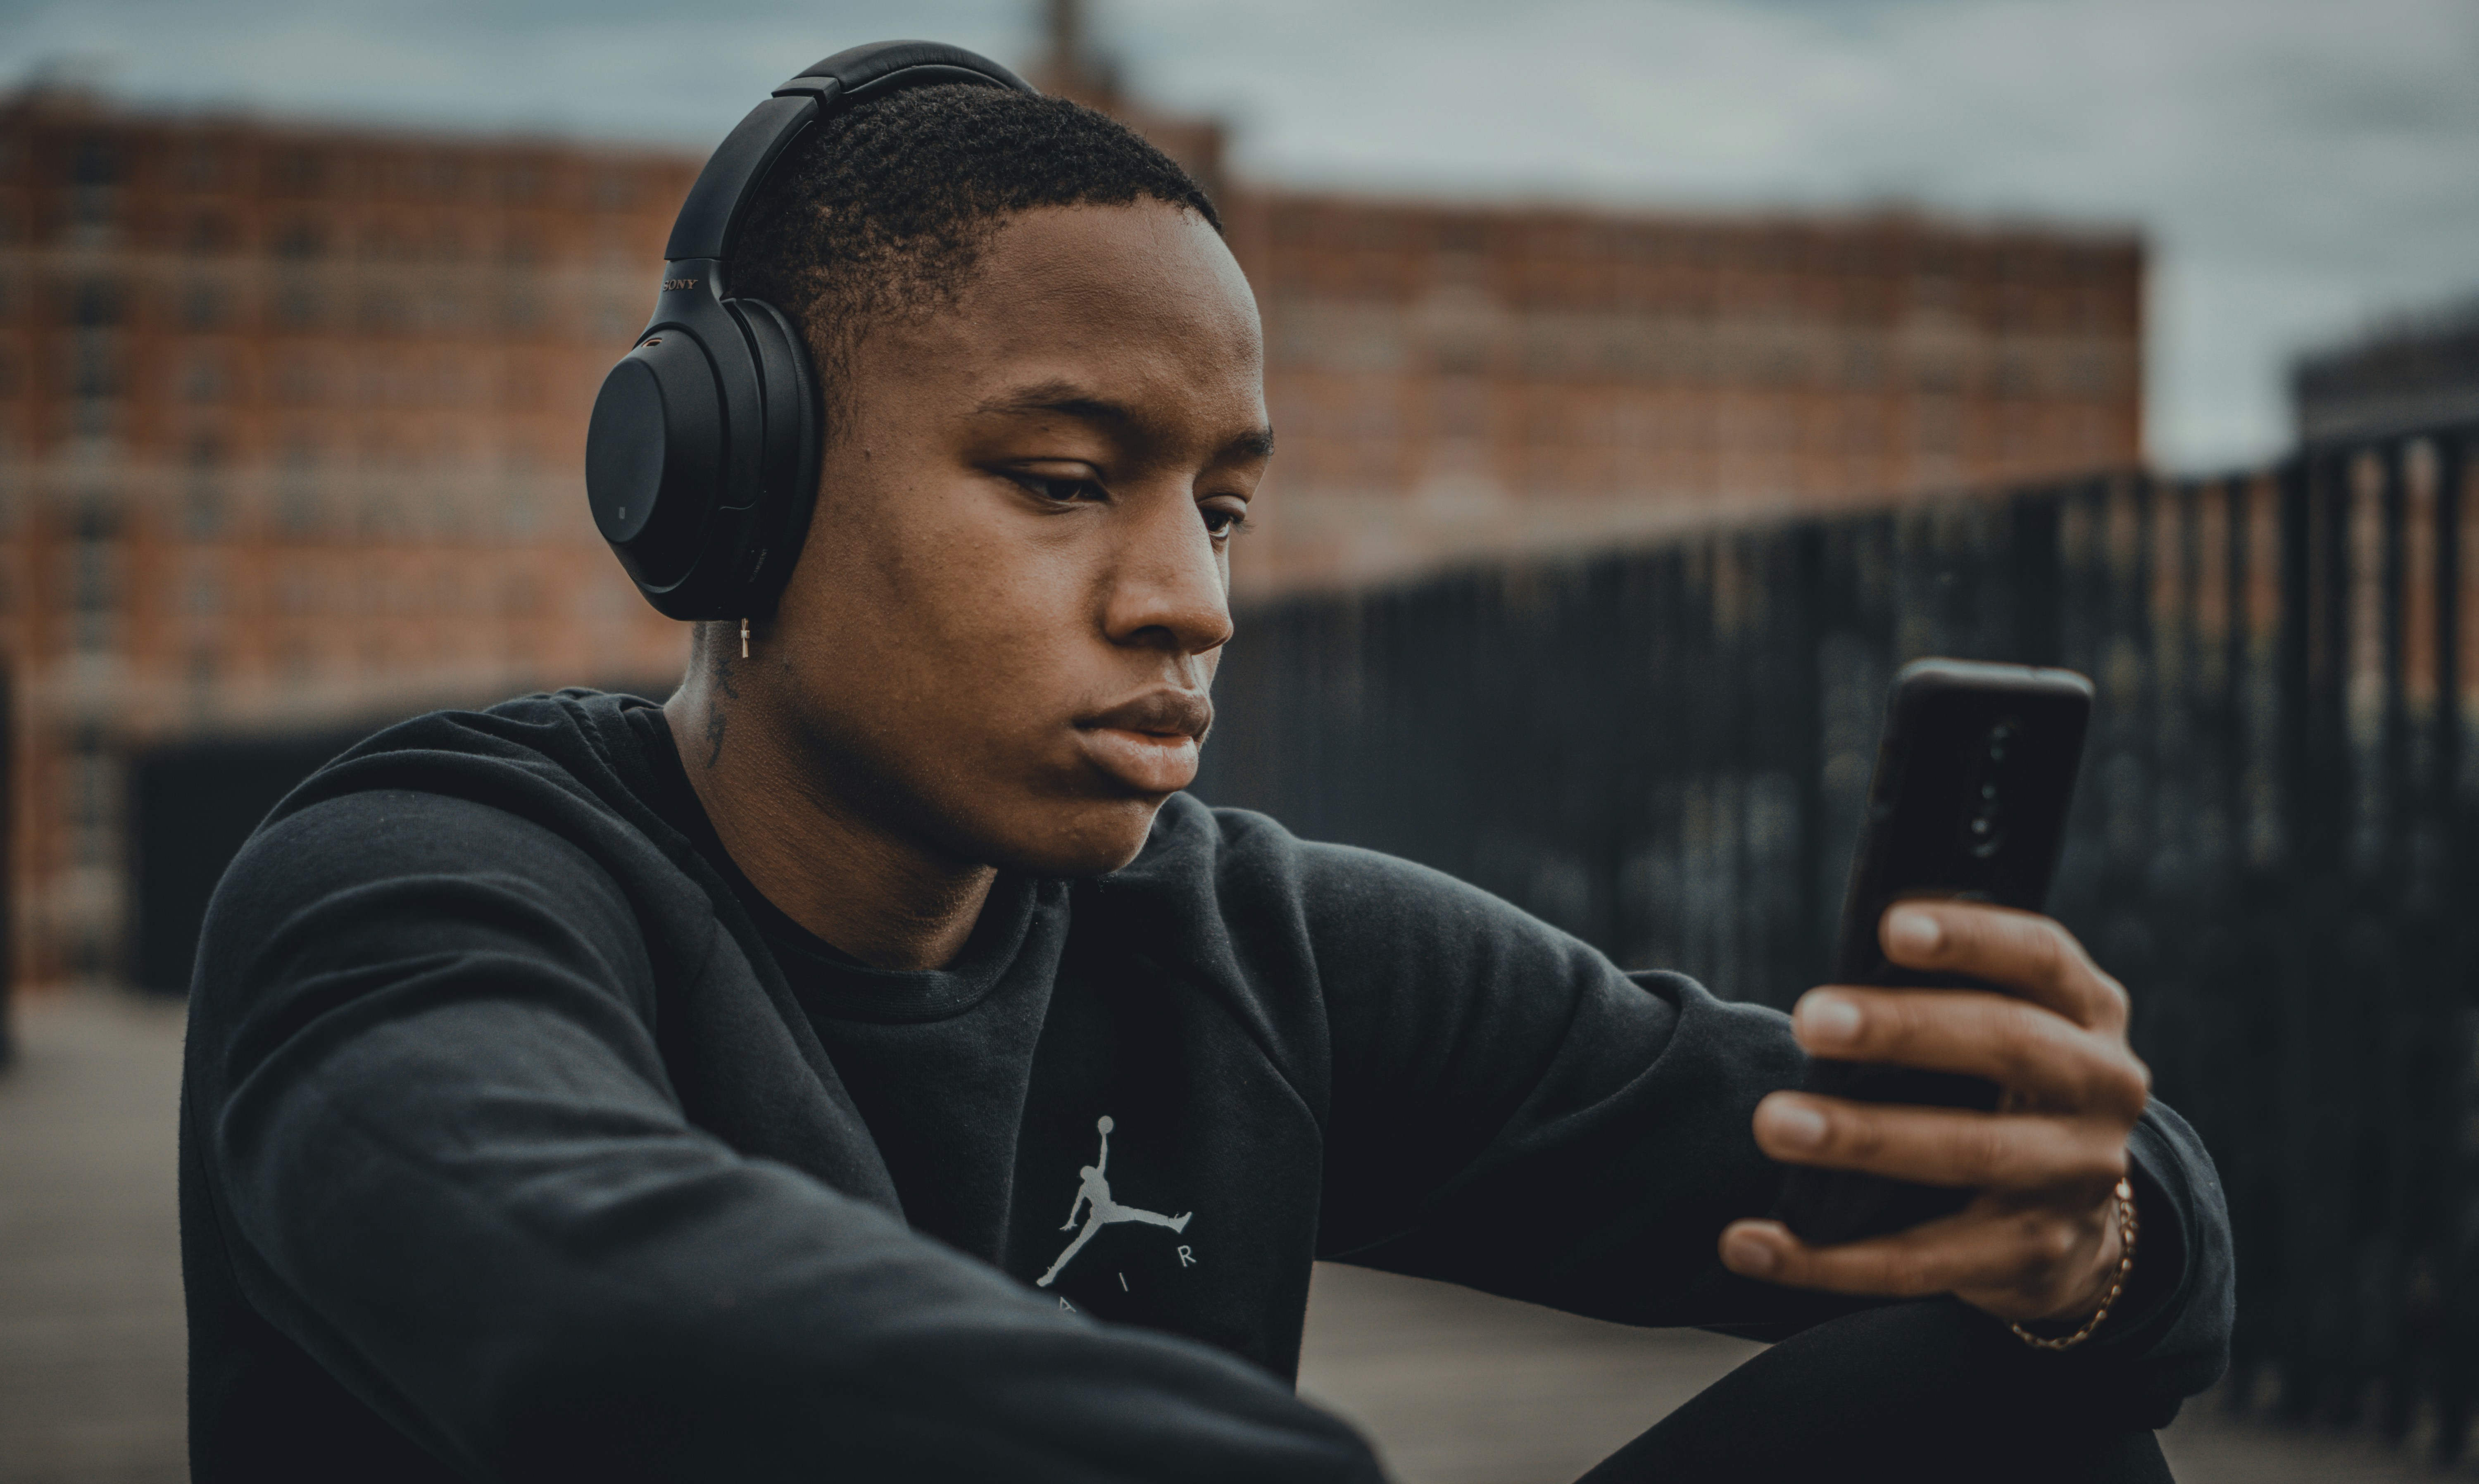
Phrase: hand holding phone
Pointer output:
(1967, 988)
(1974, 776)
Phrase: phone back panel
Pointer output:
(1973, 781)
(1968, 799)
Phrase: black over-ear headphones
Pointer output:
(701, 459)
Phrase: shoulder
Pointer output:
(455, 809)
(572, 739)
(1245, 863)
(562, 764)
(369, 833)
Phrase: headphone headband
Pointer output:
(701, 458)
(709, 218)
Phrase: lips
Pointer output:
(1149, 743)
(1162, 713)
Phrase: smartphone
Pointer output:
(1974, 775)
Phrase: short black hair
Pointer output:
(882, 210)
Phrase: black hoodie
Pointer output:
(521, 1138)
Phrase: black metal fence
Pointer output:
(2275, 841)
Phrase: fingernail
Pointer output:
(1795, 1124)
(1829, 1018)
(1749, 1254)
(1913, 933)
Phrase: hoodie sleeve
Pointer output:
(445, 1163)
(1512, 1113)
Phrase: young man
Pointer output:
(868, 1065)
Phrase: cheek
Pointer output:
(994, 604)
(964, 627)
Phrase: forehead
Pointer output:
(1144, 302)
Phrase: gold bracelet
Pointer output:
(2126, 1229)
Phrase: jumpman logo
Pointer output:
(1093, 1202)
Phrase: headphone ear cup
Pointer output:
(788, 462)
(655, 457)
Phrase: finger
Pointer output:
(2012, 1042)
(1941, 1147)
(2022, 951)
(1989, 1251)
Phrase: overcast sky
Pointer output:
(2301, 167)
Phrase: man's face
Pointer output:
(1002, 630)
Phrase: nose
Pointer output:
(1167, 588)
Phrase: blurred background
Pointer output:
(1652, 379)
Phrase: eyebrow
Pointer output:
(1069, 400)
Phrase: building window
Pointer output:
(95, 161)
(204, 515)
(95, 304)
(297, 308)
(94, 790)
(205, 380)
(94, 569)
(204, 597)
(301, 240)
(298, 382)
(298, 171)
(203, 307)
(94, 368)
(200, 166)
(210, 233)
(382, 311)
(296, 494)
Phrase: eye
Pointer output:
(1058, 489)
(1224, 520)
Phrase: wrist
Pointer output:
(2087, 1316)
(2104, 1272)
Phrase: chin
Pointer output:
(1095, 838)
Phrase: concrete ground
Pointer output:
(1457, 1388)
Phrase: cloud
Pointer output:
(2300, 165)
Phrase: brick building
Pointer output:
(291, 414)
(1454, 381)
(290, 421)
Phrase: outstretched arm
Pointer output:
(1511, 1112)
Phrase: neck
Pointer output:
(887, 898)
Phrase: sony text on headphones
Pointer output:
(701, 458)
